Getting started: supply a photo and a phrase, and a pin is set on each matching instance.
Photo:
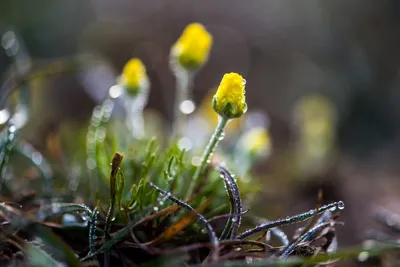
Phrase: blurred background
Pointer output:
(346, 52)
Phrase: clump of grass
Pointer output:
(138, 200)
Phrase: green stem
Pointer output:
(137, 126)
(184, 80)
(134, 106)
(208, 153)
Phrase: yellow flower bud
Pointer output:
(315, 116)
(206, 112)
(230, 100)
(257, 141)
(193, 47)
(134, 77)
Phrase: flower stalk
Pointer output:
(184, 87)
(136, 85)
(229, 102)
(134, 114)
(208, 152)
(253, 145)
(188, 55)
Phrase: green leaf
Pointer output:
(39, 258)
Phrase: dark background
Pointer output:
(346, 50)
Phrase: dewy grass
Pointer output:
(116, 215)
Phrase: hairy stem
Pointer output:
(184, 85)
(208, 153)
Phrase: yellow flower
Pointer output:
(230, 100)
(315, 116)
(193, 47)
(133, 77)
(257, 141)
(207, 113)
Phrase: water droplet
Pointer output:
(85, 218)
(196, 161)
(12, 129)
(115, 91)
(97, 112)
(20, 118)
(101, 134)
(10, 43)
(107, 106)
(185, 143)
(363, 256)
(91, 164)
(268, 236)
(4, 115)
(37, 158)
(55, 209)
(95, 122)
(68, 219)
(249, 260)
(187, 107)
(340, 205)
(244, 82)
